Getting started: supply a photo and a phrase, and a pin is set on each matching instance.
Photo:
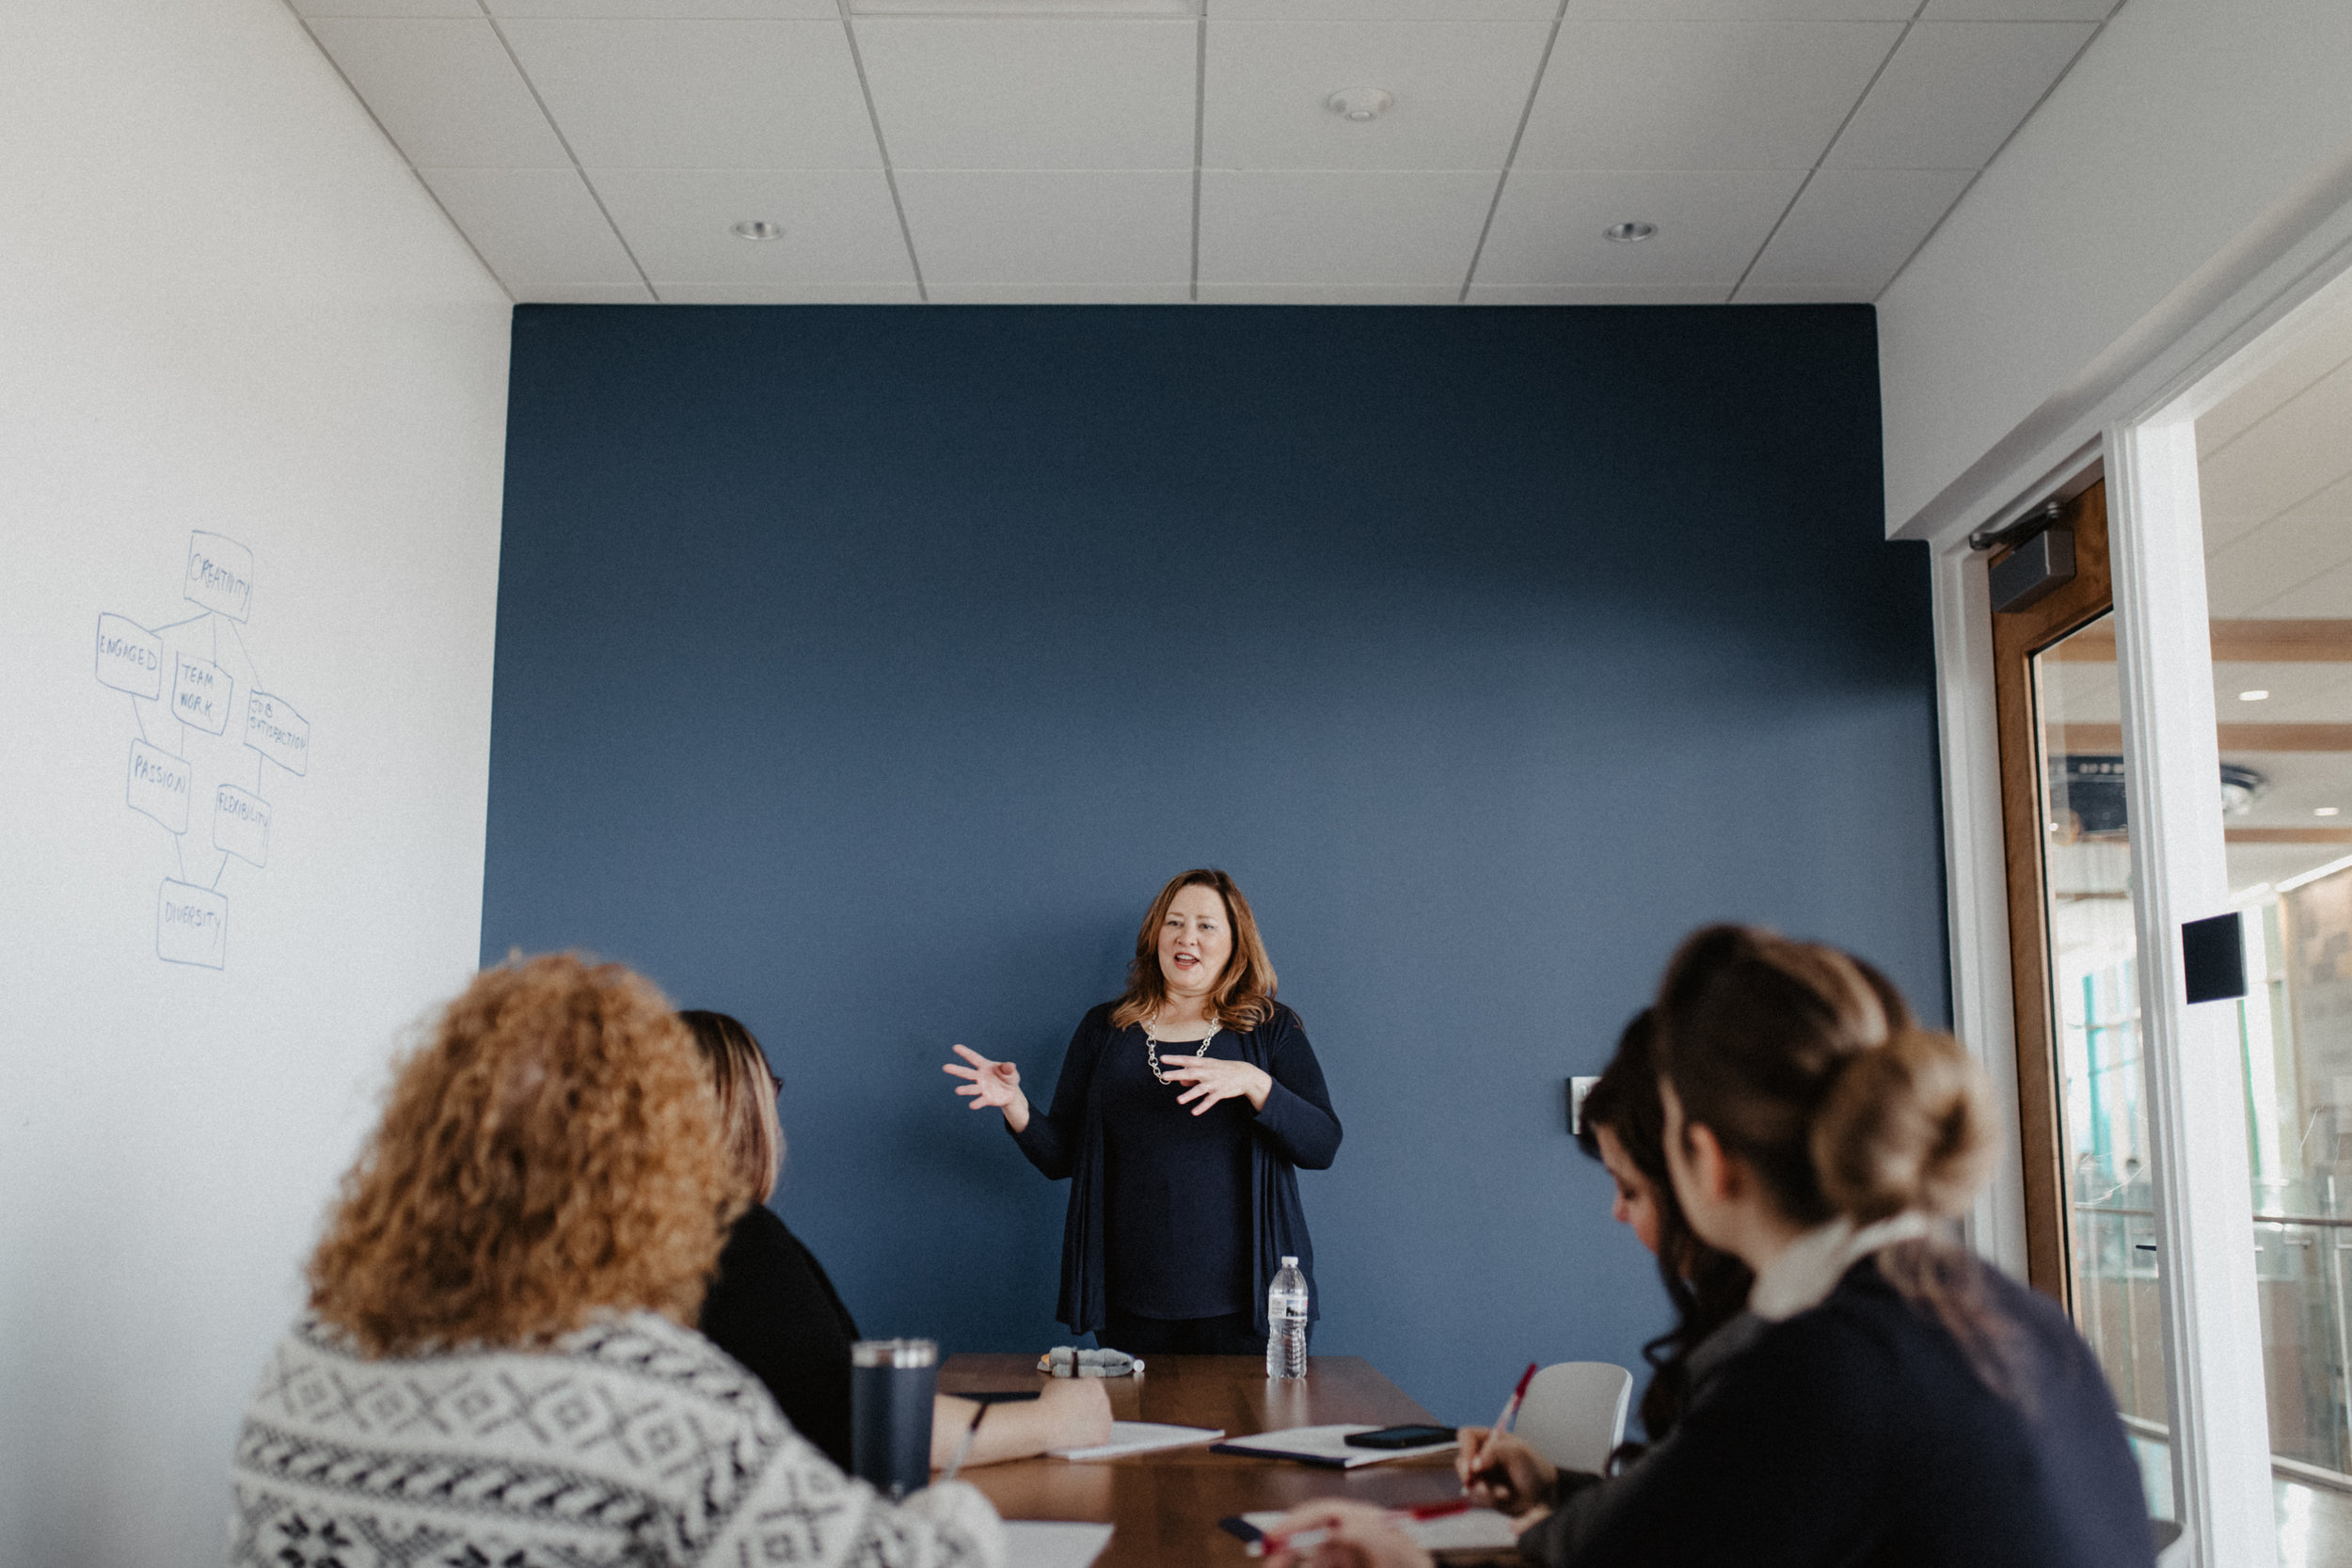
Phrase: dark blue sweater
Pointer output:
(1857, 1435)
(1074, 1136)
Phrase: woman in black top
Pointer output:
(1887, 1401)
(1184, 1113)
(771, 1308)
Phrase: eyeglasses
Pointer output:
(776, 1079)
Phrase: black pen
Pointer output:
(965, 1447)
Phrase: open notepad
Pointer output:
(1325, 1446)
(1044, 1543)
(1145, 1437)
(1473, 1530)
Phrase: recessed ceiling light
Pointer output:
(757, 228)
(2324, 811)
(1631, 232)
(2257, 695)
(1360, 103)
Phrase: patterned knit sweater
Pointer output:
(633, 1441)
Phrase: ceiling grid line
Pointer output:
(1200, 135)
(336, 66)
(1511, 154)
(2097, 31)
(1822, 156)
(881, 147)
(563, 141)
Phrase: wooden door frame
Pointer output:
(2017, 637)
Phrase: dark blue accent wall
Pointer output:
(864, 672)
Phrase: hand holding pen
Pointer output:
(1500, 1469)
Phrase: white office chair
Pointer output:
(1574, 1413)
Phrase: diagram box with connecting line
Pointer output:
(130, 657)
(241, 823)
(191, 924)
(199, 694)
(220, 574)
(273, 728)
(160, 785)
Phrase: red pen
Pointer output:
(1503, 1422)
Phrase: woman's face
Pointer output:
(1195, 940)
(1637, 1200)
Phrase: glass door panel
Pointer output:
(2093, 1006)
(2275, 477)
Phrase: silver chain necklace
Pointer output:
(1151, 1050)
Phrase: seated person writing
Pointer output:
(497, 1367)
(773, 1308)
(1895, 1403)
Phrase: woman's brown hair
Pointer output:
(1708, 1288)
(550, 1153)
(1243, 997)
(1806, 1064)
(747, 1101)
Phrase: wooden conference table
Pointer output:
(1166, 1505)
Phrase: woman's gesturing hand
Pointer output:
(1214, 1078)
(996, 1084)
(1510, 1476)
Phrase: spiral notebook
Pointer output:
(1325, 1446)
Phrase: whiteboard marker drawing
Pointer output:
(160, 785)
(191, 925)
(220, 574)
(183, 701)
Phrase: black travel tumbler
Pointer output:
(891, 1385)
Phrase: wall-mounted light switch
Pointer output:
(1578, 1089)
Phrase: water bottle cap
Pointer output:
(1289, 1262)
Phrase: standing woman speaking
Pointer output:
(1182, 1114)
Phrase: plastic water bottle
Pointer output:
(1286, 1322)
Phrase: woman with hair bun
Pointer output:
(1898, 1403)
(498, 1363)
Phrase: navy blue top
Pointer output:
(1179, 1185)
(1857, 1435)
(1090, 1122)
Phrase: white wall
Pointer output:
(2194, 144)
(225, 305)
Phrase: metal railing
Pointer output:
(2303, 1270)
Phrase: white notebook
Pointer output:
(1146, 1437)
(1049, 1544)
(1325, 1446)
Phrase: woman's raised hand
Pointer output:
(995, 1084)
(1214, 1078)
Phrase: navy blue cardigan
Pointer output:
(1296, 1129)
(1857, 1435)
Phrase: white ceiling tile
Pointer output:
(386, 8)
(1705, 294)
(2272, 560)
(1396, 229)
(2018, 10)
(1299, 293)
(811, 293)
(444, 90)
(701, 94)
(1382, 10)
(675, 11)
(1819, 295)
(1547, 228)
(1700, 95)
(1021, 93)
(1746, 10)
(535, 227)
(2315, 354)
(1052, 226)
(586, 294)
(1853, 229)
(1954, 91)
(1459, 88)
(1057, 293)
(2284, 460)
(839, 224)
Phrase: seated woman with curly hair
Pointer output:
(496, 1367)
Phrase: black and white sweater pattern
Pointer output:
(631, 1442)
